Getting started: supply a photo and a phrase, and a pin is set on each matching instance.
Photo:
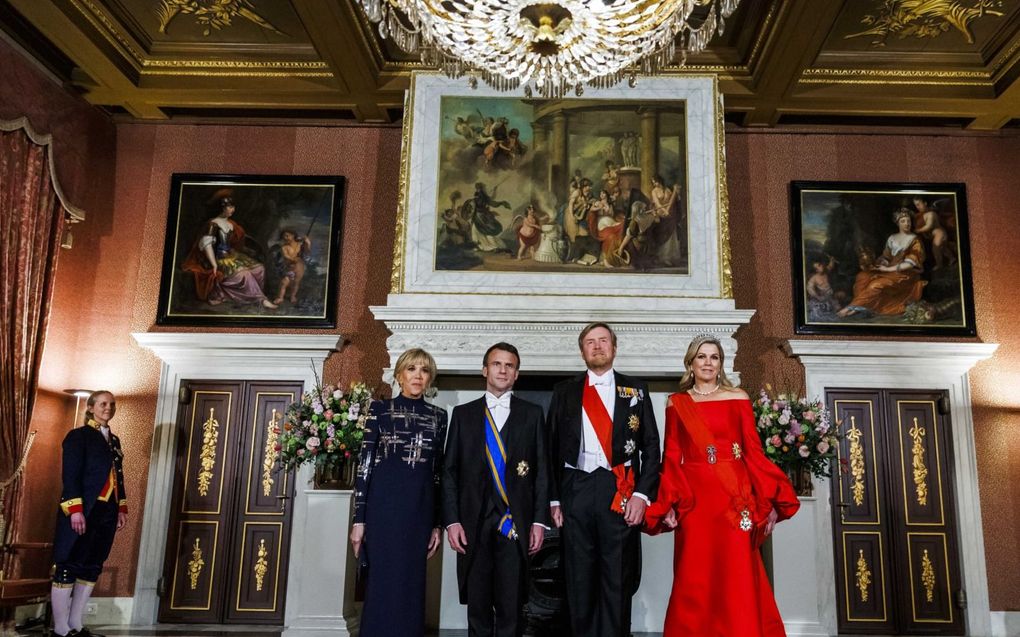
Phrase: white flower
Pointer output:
(804, 451)
(784, 419)
(337, 394)
(629, 447)
(823, 447)
(313, 442)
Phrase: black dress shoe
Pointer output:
(85, 632)
(70, 633)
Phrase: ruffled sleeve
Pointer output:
(772, 489)
(674, 491)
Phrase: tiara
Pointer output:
(705, 335)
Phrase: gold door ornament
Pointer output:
(261, 565)
(863, 575)
(928, 577)
(207, 457)
(195, 564)
(856, 461)
(270, 453)
(917, 433)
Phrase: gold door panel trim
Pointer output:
(937, 460)
(864, 451)
(917, 433)
(195, 564)
(191, 438)
(944, 584)
(240, 568)
(207, 457)
(846, 578)
(261, 565)
(269, 454)
(863, 576)
(927, 577)
(267, 449)
(856, 461)
(211, 562)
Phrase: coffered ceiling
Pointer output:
(852, 62)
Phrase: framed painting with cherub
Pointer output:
(881, 259)
(619, 189)
(252, 250)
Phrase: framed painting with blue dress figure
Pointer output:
(881, 259)
(255, 250)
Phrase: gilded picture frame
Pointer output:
(502, 193)
(881, 259)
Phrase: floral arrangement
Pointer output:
(797, 434)
(325, 428)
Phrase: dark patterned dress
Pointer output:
(396, 497)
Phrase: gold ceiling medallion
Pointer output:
(924, 18)
(856, 461)
(863, 575)
(261, 565)
(269, 457)
(195, 564)
(551, 47)
(210, 436)
(928, 577)
(920, 470)
(211, 14)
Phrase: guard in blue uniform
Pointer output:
(93, 506)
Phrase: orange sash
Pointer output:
(603, 425)
(742, 503)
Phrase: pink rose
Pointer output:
(822, 447)
(776, 441)
(313, 443)
(804, 451)
(809, 416)
(328, 414)
(300, 452)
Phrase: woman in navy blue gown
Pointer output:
(396, 503)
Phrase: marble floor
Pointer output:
(218, 630)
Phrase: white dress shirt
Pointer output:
(499, 408)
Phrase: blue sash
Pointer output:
(496, 456)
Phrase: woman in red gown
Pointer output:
(723, 497)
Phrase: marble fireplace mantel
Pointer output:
(653, 332)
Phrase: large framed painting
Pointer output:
(616, 191)
(252, 250)
(881, 259)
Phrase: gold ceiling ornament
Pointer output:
(925, 18)
(195, 564)
(550, 47)
(207, 457)
(211, 14)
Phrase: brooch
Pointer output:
(523, 468)
(745, 521)
(629, 447)
(633, 422)
(736, 451)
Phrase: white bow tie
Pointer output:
(502, 401)
(601, 380)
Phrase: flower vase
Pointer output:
(800, 477)
(336, 476)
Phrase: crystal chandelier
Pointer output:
(549, 47)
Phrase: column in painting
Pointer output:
(559, 169)
(649, 148)
(540, 151)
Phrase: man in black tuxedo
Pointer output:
(495, 496)
(604, 446)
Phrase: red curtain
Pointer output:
(31, 222)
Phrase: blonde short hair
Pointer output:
(416, 356)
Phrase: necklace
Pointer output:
(705, 393)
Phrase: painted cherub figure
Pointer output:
(292, 256)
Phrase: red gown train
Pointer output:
(719, 584)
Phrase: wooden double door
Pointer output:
(895, 533)
(229, 536)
